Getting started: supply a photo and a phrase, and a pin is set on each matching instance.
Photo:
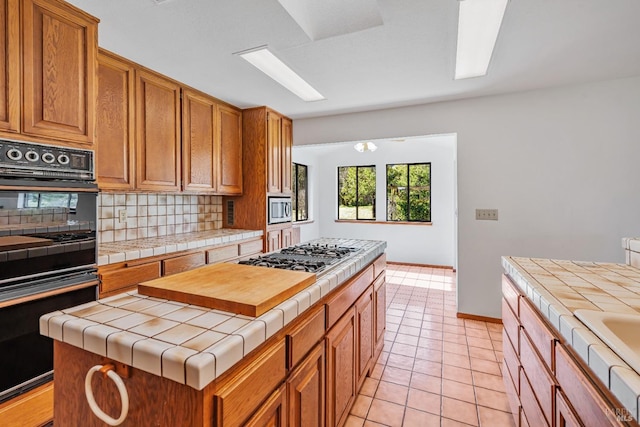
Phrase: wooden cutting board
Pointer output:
(237, 288)
(11, 243)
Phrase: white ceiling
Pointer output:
(407, 60)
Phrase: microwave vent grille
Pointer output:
(230, 212)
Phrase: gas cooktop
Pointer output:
(305, 257)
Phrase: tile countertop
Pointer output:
(189, 344)
(110, 253)
(559, 288)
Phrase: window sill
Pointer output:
(307, 221)
(364, 221)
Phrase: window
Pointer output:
(49, 200)
(409, 192)
(357, 192)
(300, 203)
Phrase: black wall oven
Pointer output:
(48, 251)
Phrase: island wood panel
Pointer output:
(273, 412)
(306, 393)
(347, 295)
(380, 313)
(305, 335)
(9, 66)
(158, 132)
(364, 336)
(153, 400)
(115, 125)
(229, 172)
(341, 366)
(59, 65)
(198, 134)
(241, 289)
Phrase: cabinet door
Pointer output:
(158, 132)
(9, 66)
(286, 146)
(229, 171)
(274, 163)
(287, 237)
(379, 310)
(198, 134)
(115, 123)
(364, 338)
(274, 240)
(305, 390)
(59, 48)
(273, 412)
(341, 386)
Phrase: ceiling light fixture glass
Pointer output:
(262, 58)
(365, 146)
(478, 27)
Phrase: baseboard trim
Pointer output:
(446, 267)
(480, 318)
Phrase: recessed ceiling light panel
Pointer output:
(273, 67)
(478, 27)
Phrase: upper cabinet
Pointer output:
(157, 132)
(59, 46)
(115, 127)
(279, 144)
(47, 71)
(9, 66)
(198, 142)
(229, 176)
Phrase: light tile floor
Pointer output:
(435, 369)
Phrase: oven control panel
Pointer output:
(26, 159)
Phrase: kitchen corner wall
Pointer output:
(155, 215)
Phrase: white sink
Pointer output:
(620, 331)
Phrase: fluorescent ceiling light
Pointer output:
(268, 63)
(478, 26)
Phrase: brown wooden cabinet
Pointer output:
(380, 314)
(341, 366)
(364, 338)
(115, 127)
(274, 240)
(229, 141)
(266, 162)
(9, 66)
(158, 132)
(273, 412)
(199, 153)
(305, 391)
(59, 47)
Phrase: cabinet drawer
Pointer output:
(347, 296)
(242, 394)
(565, 416)
(304, 337)
(511, 326)
(511, 361)
(128, 276)
(530, 406)
(182, 263)
(540, 334)
(222, 254)
(511, 294)
(540, 379)
(249, 248)
(379, 265)
(580, 391)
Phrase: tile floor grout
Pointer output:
(435, 369)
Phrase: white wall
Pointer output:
(560, 164)
(420, 244)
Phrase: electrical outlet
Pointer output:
(122, 215)
(487, 214)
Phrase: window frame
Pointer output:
(408, 165)
(295, 191)
(357, 167)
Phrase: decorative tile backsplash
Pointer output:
(154, 215)
(33, 216)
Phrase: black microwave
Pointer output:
(279, 209)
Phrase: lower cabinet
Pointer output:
(364, 337)
(305, 391)
(273, 412)
(341, 382)
(279, 238)
(380, 313)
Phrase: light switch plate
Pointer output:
(122, 215)
(487, 214)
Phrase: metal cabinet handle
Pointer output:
(108, 371)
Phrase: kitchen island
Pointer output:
(557, 370)
(180, 364)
